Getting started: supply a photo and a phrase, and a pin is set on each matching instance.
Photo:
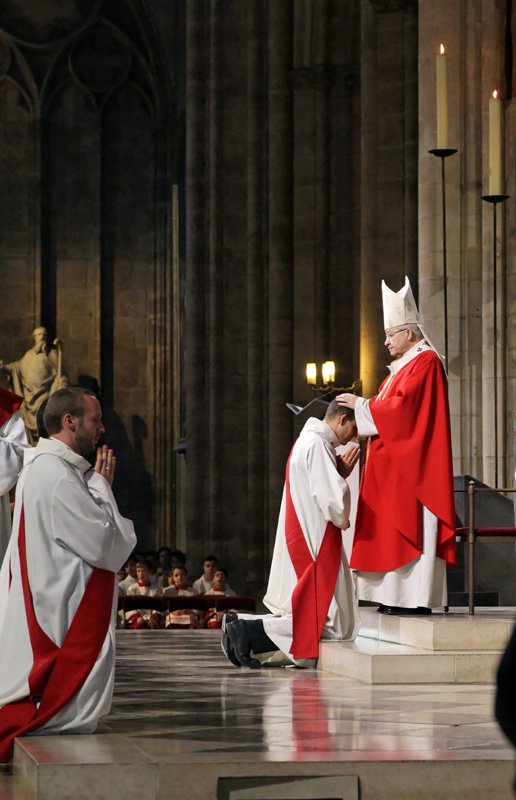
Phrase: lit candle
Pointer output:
(495, 145)
(311, 373)
(328, 372)
(442, 99)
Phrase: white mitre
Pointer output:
(399, 308)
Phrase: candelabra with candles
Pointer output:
(328, 379)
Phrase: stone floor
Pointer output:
(186, 723)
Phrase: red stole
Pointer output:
(57, 673)
(315, 579)
(9, 403)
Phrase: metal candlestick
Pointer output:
(494, 199)
(443, 153)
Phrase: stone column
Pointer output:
(256, 424)
(214, 231)
(388, 168)
(280, 277)
(196, 484)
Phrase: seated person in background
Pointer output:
(205, 582)
(178, 557)
(162, 576)
(220, 585)
(179, 560)
(165, 558)
(129, 570)
(177, 583)
(152, 560)
(184, 617)
(120, 575)
(143, 617)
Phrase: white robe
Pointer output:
(422, 582)
(319, 495)
(72, 524)
(13, 442)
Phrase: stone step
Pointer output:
(487, 629)
(376, 662)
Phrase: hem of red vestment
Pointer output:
(57, 673)
(314, 590)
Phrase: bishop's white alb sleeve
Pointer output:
(364, 419)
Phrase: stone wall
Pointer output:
(85, 124)
(477, 36)
(301, 122)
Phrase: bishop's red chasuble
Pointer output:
(408, 465)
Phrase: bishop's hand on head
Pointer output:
(347, 400)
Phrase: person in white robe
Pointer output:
(320, 496)
(13, 443)
(68, 522)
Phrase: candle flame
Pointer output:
(495, 93)
(442, 49)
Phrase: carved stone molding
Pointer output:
(321, 77)
(38, 24)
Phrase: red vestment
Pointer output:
(57, 672)
(9, 403)
(408, 465)
(316, 578)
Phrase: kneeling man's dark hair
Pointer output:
(69, 400)
(334, 410)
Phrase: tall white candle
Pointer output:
(495, 145)
(441, 75)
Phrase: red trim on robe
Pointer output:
(409, 465)
(57, 673)
(9, 403)
(316, 580)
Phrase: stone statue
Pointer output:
(37, 375)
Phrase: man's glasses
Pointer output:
(390, 335)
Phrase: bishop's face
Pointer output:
(398, 341)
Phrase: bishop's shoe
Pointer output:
(396, 611)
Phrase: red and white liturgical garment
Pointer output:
(315, 501)
(57, 597)
(405, 525)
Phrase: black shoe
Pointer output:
(396, 611)
(225, 643)
(381, 609)
(241, 643)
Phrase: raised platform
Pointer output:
(439, 648)
(186, 723)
